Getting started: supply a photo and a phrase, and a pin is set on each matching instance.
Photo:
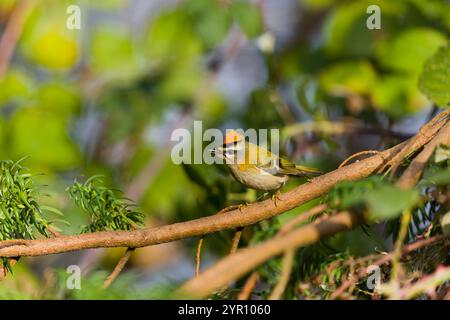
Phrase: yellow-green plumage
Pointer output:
(260, 169)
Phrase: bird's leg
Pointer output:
(276, 197)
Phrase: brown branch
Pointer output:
(234, 266)
(12, 33)
(366, 152)
(425, 134)
(248, 215)
(118, 269)
(412, 174)
(278, 291)
(234, 244)
(197, 256)
(236, 239)
(291, 224)
(248, 286)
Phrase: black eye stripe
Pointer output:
(226, 145)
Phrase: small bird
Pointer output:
(256, 167)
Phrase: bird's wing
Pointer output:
(270, 166)
(289, 168)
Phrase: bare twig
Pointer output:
(236, 239)
(367, 152)
(234, 266)
(248, 286)
(234, 242)
(285, 275)
(198, 256)
(426, 133)
(404, 223)
(12, 33)
(412, 174)
(118, 269)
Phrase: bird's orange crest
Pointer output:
(232, 136)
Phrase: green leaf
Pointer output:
(435, 78)
(211, 21)
(398, 95)
(53, 210)
(248, 16)
(43, 136)
(388, 202)
(113, 53)
(343, 78)
(410, 49)
(171, 39)
(436, 176)
(15, 86)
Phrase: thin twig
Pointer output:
(12, 33)
(371, 152)
(236, 239)
(197, 255)
(247, 289)
(285, 275)
(412, 174)
(425, 134)
(233, 246)
(118, 269)
(404, 224)
(234, 266)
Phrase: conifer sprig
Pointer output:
(107, 211)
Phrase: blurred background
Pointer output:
(105, 98)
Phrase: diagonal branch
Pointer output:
(12, 33)
(412, 174)
(236, 265)
(251, 214)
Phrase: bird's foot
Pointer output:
(242, 205)
(276, 197)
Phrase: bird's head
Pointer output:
(233, 144)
